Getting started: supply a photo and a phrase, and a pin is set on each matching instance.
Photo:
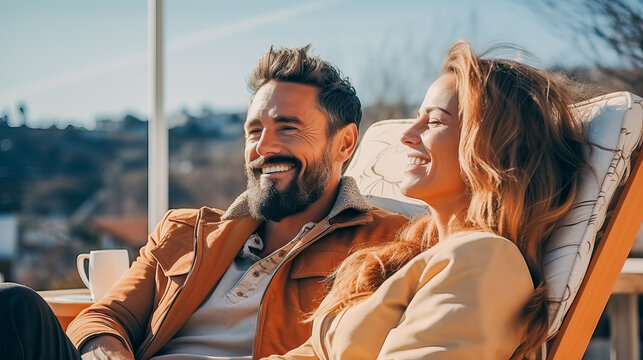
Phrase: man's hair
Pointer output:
(337, 98)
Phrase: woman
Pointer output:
(496, 154)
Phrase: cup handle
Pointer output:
(80, 265)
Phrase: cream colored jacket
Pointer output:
(461, 299)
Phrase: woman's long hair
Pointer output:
(520, 156)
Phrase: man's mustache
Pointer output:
(261, 161)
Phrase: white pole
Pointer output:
(158, 154)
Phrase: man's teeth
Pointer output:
(417, 161)
(275, 168)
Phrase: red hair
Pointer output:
(520, 156)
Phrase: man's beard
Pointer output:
(269, 204)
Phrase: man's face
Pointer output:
(287, 151)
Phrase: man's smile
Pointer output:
(280, 169)
(275, 168)
(277, 172)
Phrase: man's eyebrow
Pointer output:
(431, 108)
(278, 120)
(251, 123)
(288, 120)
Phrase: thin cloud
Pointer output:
(224, 31)
(173, 45)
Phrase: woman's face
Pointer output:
(433, 171)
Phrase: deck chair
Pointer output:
(580, 275)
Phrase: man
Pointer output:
(237, 284)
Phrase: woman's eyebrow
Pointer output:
(431, 108)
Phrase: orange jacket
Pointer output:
(166, 283)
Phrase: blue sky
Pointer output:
(75, 61)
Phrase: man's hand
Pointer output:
(105, 347)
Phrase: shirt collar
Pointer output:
(348, 197)
(255, 244)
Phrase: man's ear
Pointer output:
(345, 142)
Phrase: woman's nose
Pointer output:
(411, 136)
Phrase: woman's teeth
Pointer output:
(275, 169)
(417, 161)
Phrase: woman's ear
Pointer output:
(345, 142)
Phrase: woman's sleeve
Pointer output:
(303, 352)
(467, 305)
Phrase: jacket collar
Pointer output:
(348, 197)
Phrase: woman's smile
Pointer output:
(432, 173)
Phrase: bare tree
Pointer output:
(398, 70)
(392, 89)
(614, 24)
(22, 109)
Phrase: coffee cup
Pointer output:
(105, 268)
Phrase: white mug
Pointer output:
(105, 268)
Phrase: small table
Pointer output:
(624, 312)
(67, 304)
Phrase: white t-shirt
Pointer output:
(224, 326)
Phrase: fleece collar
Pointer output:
(348, 197)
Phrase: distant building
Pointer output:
(122, 232)
(208, 125)
(127, 127)
(8, 244)
(8, 235)
(108, 125)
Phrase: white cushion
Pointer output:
(614, 121)
(378, 166)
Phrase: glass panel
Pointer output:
(73, 101)
(390, 50)
(73, 135)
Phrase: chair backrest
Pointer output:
(378, 166)
(614, 124)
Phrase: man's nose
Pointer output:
(268, 144)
